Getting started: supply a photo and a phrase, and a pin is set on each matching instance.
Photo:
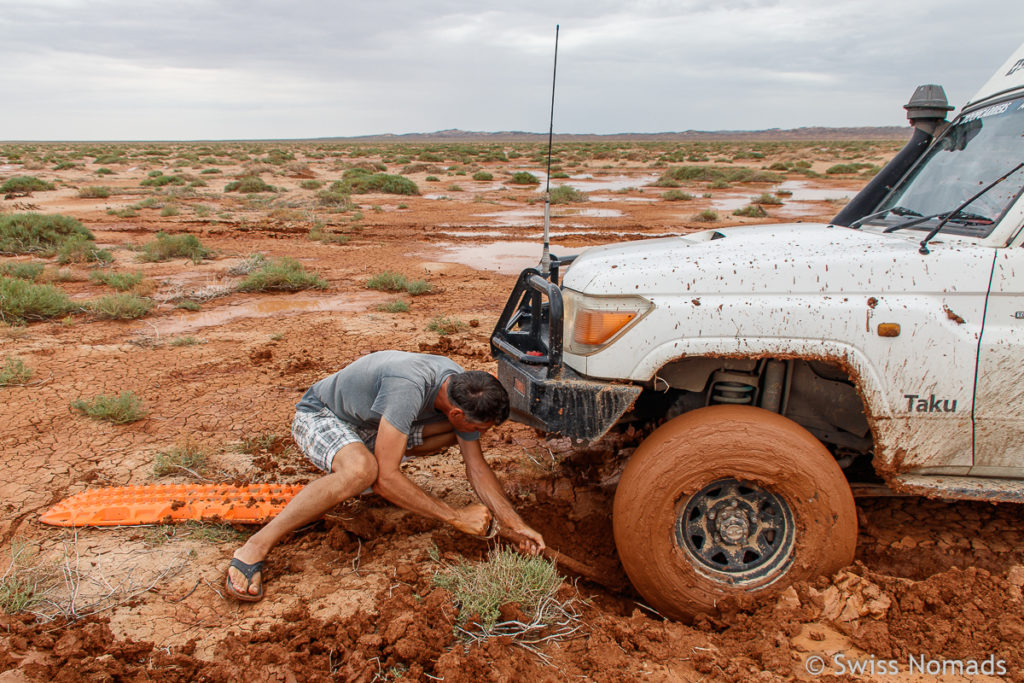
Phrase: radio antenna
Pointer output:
(545, 258)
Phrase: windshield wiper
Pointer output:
(955, 215)
(957, 210)
(898, 210)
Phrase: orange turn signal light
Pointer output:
(597, 327)
(888, 329)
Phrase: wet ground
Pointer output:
(351, 597)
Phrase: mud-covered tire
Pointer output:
(756, 473)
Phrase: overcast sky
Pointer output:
(209, 69)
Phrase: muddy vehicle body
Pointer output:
(794, 365)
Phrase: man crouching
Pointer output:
(357, 425)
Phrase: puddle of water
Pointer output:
(588, 183)
(535, 216)
(803, 192)
(266, 308)
(502, 256)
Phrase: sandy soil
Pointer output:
(351, 597)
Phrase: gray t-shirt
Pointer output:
(396, 385)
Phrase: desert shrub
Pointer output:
(122, 306)
(318, 234)
(284, 274)
(188, 305)
(707, 216)
(844, 169)
(94, 192)
(361, 181)
(250, 263)
(564, 194)
(481, 589)
(713, 173)
(122, 282)
(24, 270)
(394, 306)
(36, 233)
(311, 184)
(160, 180)
(186, 457)
(676, 196)
(751, 211)
(24, 184)
(14, 372)
(336, 196)
(766, 198)
(445, 326)
(104, 171)
(166, 247)
(432, 179)
(483, 175)
(187, 340)
(170, 210)
(524, 178)
(121, 409)
(396, 282)
(210, 171)
(248, 185)
(21, 300)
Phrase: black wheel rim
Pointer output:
(737, 531)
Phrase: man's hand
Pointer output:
(473, 520)
(528, 541)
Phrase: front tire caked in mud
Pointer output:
(730, 500)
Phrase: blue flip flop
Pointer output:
(247, 571)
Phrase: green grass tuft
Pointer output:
(564, 194)
(23, 270)
(21, 300)
(677, 196)
(122, 282)
(121, 409)
(24, 184)
(78, 249)
(480, 589)
(123, 306)
(445, 326)
(166, 247)
(483, 175)
(181, 458)
(524, 178)
(766, 198)
(14, 372)
(707, 216)
(248, 185)
(36, 233)
(394, 306)
(94, 192)
(361, 181)
(396, 282)
(160, 180)
(284, 274)
(751, 211)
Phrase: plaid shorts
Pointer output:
(322, 434)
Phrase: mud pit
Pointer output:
(351, 597)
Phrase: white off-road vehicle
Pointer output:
(795, 365)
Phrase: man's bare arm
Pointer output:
(401, 491)
(490, 491)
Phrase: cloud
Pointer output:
(205, 69)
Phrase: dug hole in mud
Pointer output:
(793, 366)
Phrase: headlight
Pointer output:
(592, 322)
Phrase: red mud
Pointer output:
(351, 597)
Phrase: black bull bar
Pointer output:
(543, 392)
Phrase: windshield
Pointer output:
(978, 148)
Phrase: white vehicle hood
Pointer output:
(785, 259)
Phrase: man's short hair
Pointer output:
(479, 395)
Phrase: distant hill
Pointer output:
(769, 135)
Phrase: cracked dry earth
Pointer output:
(351, 597)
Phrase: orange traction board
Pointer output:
(164, 503)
